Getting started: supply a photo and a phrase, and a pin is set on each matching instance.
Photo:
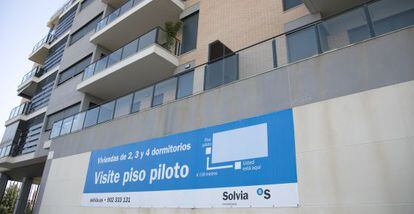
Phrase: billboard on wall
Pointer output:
(246, 163)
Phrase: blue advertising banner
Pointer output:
(246, 163)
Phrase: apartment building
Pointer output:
(332, 80)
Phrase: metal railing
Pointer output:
(155, 36)
(118, 12)
(35, 72)
(157, 94)
(352, 26)
(19, 110)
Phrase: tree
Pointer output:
(9, 199)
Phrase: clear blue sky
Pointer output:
(22, 25)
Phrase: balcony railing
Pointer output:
(45, 40)
(22, 109)
(155, 36)
(35, 72)
(338, 31)
(38, 101)
(165, 91)
(118, 12)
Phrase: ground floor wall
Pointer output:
(354, 154)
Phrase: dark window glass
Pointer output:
(78, 121)
(287, 4)
(61, 114)
(114, 57)
(190, 28)
(123, 106)
(344, 29)
(10, 133)
(125, 7)
(91, 117)
(66, 125)
(302, 44)
(89, 71)
(85, 3)
(217, 50)
(56, 129)
(390, 15)
(101, 64)
(164, 91)
(130, 49)
(113, 15)
(147, 39)
(185, 85)
(142, 99)
(84, 30)
(106, 112)
(75, 69)
(221, 72)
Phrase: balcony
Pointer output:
(18, 145)
(41, 49)
(35, 107)
(300, 66)
(115, 29)
(28, 85)
(144, 61)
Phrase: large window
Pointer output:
(75, 69)
(389, 15)
(84, 30)
(342, 30)
(190, 28)
(91, 117)
(106, 112)
(185, 85)
(302, 44)
(142, 99)
(287, 4)
(61, 114)
(164, 91)
(221, 72)
(123, 106)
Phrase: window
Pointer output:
(114, 57)
(190, 27)
(130, 49)
(389, 15)
(221, 72)
(75, 69)
(51, 119)
(302, 44)
(56, 129)
(123, 106)
(185, 85)
(164, 91)
(66, 125)
(84, 30)
(10, 133)
(85, 3)
(78, 121)
(142, 99)
(342, 30)
(217, 50)
(91, 117)
(106, 112)
(287, 4)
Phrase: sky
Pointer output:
(22, 25)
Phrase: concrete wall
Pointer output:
(319, 78)
(354, 139)
(354, 155)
